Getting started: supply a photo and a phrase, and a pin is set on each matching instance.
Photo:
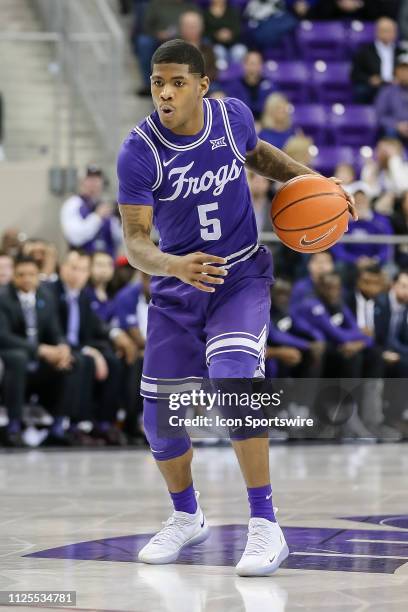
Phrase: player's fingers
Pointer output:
(213, 280)
(207, 269)
(202, 287)
(206, 258)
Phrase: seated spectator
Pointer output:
(392, 103)
(293, 350)
(259, 187)
(99, 289)
(361, 300)
(317, 265)
(45, 254)
(159, 25)
(252, 88)
(349, 353)
(276, 121)
(35, 354)
(268, 22)
(399, 222)
(346, 173)
(87, 221)
(222, 27)
(123, 275)
(373, 63)
(191, 28)
(6, 269)
(387, 174)
(391, 335)
(369, 223)
(88, 335)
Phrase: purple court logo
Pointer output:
(380, 551)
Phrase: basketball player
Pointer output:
(183, 169)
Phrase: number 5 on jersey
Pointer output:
(210, 228)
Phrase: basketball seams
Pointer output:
(308, 197)
(309, 227)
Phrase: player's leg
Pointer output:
(174, 361)
(236, 332)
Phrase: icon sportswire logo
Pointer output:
(306, 243)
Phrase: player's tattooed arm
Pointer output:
(193, 269)
(274, 164)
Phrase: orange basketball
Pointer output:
(309, 213)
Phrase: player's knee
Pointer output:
(233, 365)
(162, 445)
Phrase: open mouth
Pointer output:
(168, 111)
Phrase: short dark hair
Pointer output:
(370, 269)
(178, 51)
(80, 252)
(26, 259)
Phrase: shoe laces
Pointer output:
(259, 538)
(171, 530)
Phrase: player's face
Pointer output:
(177, 94)
(26, 277)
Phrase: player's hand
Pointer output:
(195, 269)
(125, 347)
(289, 356)
(350, 199)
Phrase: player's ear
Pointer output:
(204, 85)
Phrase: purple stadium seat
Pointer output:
(331, 82)
(325, 40)
(291, 78)
(359, 33)
(353, 125)
(312, 118)
(328, 158)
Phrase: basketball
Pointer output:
(309, 213)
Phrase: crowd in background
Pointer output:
(72, 329)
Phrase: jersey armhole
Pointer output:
(229, 131)
(150, 144)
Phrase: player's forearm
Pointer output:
(144, 255)
(274, 164)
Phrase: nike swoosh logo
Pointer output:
(269, 496)
(170, 160)
(202, 523)
(305, 242)
(272, 560)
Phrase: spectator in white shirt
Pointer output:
(88, 222)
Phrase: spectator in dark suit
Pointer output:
(373, 64)
(222, 27)
(370, 284)
(399, 222)
(35, 354)
(89, 336)
(350, 354)
(391, 334)
(252, 88)
(392, 103)
(99, 289)
(365, 10)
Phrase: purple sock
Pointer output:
(185, 501)
(260, 500)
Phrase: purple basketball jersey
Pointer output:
(196, 184)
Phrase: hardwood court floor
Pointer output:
(82, 515)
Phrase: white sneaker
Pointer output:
(265, 550)
(181, 529)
